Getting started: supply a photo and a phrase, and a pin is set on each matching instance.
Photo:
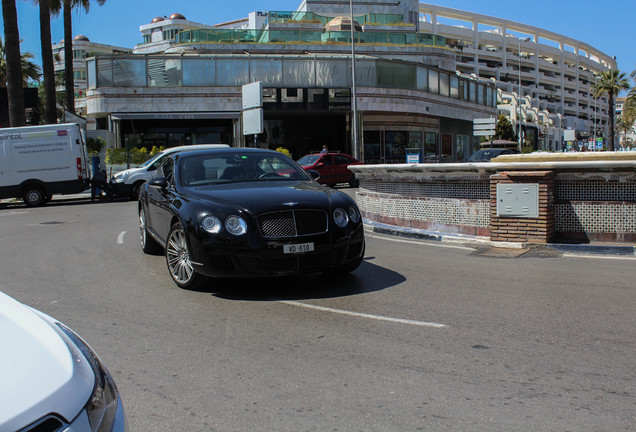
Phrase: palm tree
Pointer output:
(629, 107)
(15, 93)
(623, 127)
(68, 5)
(611, 82)
(30, 70)
(47, 62)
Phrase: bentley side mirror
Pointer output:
(158, 182)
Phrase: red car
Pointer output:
(333, 167)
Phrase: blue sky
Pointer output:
(606, 25)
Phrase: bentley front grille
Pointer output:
(293, 223)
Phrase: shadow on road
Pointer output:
(367, 278)
(61, 202)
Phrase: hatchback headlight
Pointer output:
(236, 225)
(101, 407)
(340, 217)
(121, 178)
(211, 224)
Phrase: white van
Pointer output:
(39, 161)
(129, 182)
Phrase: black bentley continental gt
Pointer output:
(243, 212)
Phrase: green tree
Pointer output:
(59, 97)
(611, 82)
(30, 70)
(15, 93)
(623, 126)
(67, 6)
(504, 130)
(629, 107)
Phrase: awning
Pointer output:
(176, 115)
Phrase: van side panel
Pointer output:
(46, 156)
(51, 156)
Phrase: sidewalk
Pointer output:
(620, 249)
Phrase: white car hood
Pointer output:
(41, 371)
(127, 172)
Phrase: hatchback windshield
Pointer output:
(308, 160)
(237, 167)
(151, 159)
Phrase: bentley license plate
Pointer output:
(298, 248)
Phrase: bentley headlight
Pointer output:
(101, 407)
(340, 217)
(236, 225)
(211, 224)
(354, 214)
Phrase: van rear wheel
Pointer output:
(34, 196)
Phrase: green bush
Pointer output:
(284, 151)
(135, 156)
(95, 145)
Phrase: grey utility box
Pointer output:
(518, 200)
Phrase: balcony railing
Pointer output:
(307, 36)
(311, 17)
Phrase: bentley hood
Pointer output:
(259, 197)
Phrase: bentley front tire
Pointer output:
(178, 259)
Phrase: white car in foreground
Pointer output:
(50, 379)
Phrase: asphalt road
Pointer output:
(423, 336)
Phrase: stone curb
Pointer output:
(412, 233)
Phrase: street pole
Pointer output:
(354, 121)
(595, 99)
(519, 98)
(594, 120)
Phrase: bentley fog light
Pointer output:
(340, 217)
(236, 225)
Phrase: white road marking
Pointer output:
(363, 315)
(120, 237)
(599, 256)
(12, 213)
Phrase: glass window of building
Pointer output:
(129, 73)
(422, 79)
(454, 87)
(444, 84)
(430, 146)
(473, 91)
(372, 143)
(447, 148)
(199, 72)
(463, 148)
(395, 143)
(433, 81)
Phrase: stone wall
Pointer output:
(580, 199)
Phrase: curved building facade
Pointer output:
(417, 89)
(544, 78)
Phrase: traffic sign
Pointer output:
(484, 126)
(484, 133)
(490, 121)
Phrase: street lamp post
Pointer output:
(595, 99)
(354, 123)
